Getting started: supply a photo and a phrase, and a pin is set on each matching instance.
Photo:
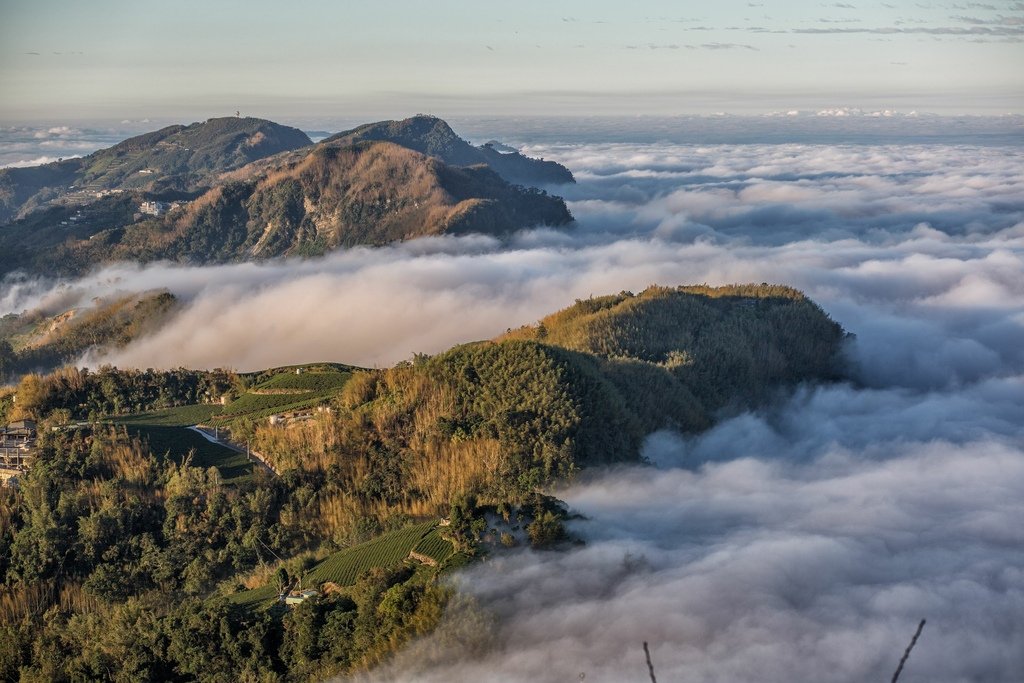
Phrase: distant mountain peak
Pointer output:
(303, 203)
(430, 135)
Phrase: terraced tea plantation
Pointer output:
(181, 416)
(283, 391)
(345, 567)
(434, 547)
(307, 382)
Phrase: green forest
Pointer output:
(123, 556)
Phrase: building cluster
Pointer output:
(17, 449)
(157, 208)
(73, 219)
(289, 418)
(298, 597)
(297, 416)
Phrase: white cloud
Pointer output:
(38, 161)
(761, 569)
(869, 232)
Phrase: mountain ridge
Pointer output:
(365, 194)
(433, 136)
(175, 158)
(230, 190)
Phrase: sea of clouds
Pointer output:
(35, 144)
(915, 243)
(803, 542)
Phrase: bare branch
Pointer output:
(650, 666)
(903, 660)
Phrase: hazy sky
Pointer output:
(143, 58)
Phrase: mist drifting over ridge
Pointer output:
(910, 240)
(803, 542)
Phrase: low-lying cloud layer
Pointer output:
(807, 541)
(801, 543)
(41, 144)
(917, 242)
(763, 569)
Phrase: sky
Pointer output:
(121, 58)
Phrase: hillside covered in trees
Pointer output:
(243, 189)
(172, 159)
(121, 560)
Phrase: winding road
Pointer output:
(252, 455)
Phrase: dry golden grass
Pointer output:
(446, 469)
(264, 572)
(402, 409)
(309, 445)
(361, 388)
(21, 601)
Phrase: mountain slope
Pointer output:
(37, 341)
(370, 193)
(160, 550)
(172, 159)
(723, 345)
(500, 418)
(432, 136)
(234, 189)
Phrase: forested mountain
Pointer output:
(370, 193)
(175, 159)
(190, 194)
(120, 559)
(726, 346)
(431, 136)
